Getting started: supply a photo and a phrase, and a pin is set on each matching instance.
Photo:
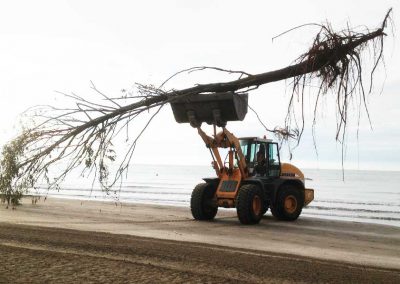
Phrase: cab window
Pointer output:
(273, 160)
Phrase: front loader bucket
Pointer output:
(217, 108)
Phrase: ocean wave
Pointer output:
(352, 209)
(386, 218)
(357, 202)
(175, 196)
(125, 190)
(126, 200)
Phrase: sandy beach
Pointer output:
(62, 240)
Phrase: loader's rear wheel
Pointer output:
(249, 204)
(201, 202)
(289, 203)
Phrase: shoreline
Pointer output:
(347, 219)
(351, 243)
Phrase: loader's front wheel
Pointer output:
(289, 203)
(250, 204)
(201, 202)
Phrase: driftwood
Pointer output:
(83, 135)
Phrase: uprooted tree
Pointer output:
(82, 136)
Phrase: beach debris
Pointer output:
(82, 136)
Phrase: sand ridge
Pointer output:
(306, 244)
(40, 254)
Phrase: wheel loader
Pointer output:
(249, 175)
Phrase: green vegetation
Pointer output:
(12, 187)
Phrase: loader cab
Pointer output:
(262, 156)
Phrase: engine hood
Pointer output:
(291, 171)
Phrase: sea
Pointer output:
(361, 196)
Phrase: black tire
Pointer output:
(201, 202)
(250, 204)
(289, 203)
(275, 213)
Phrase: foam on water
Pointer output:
(364, 196)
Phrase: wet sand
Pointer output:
(69, 241)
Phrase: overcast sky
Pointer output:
(48, 46)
